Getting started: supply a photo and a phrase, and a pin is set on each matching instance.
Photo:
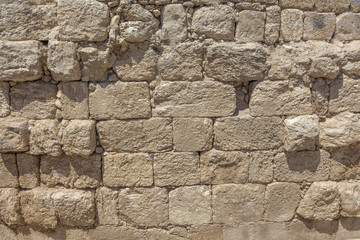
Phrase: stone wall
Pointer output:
(159, 119)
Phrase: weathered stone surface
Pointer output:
(45, 137)
(324, 68)
(34, 100)
(74, 100)
(302, 133)
(272, 24)
(154, 206)
(345, 163)
(219, 167)
(128, 170)
(106, 204)
(292, 24)
(182, 62)
(192, 134)
(349, 195)
(236, 203)
(62, 61)
(348, 26)
(136, 31)
(332, 6)
(133, 135)
(319, 26)
(304, 5)
(28, 167)
(321, 202)
(4, 99)
(203, 99)
(301, 166)
(10, 206)
(281, 201)
(215, 22)
(352, 69)
(190, 205)
(176, 169)
(8, 171)
(206, 232)
(82, 20)
(320, 93)
(120, 100)
(248, 133)
(174, 25)
(250, 26)
(231, 62)
(261, 169)
(126, 233)
(344, 95)
(14, 134)
(20, 60)
(7, 233)
(279, 98)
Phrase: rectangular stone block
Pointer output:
(174, 24)
(303, 5)
(4, 99)
(8, 171)
(10, 207)
(349, 195)
(345, 163)
(344, 95)
(292, 24)
(28, 167)
(153, 135)
(206, 232)
(348, 27)
(14, 134)
(126, 233)
(74, 99)
(250, 26)
(319, 97)
(272, 24)
(203, 99)
(338, 6)
(106, 204)
(261, 167)
(319, 26)
(45, 137)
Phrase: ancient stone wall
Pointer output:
(160, 119)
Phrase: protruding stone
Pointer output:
(292, 24)
(14, 134)
(136, 31)
(250, 26)
(108, 232)
(10, 207)
(8, 171)
(4, 99)
(174, 24)
(350, 199)
(319, 26)
(74, 100)
(28, 167)
(348, 27)
(324, 68)
(45, 137)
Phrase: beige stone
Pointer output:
(14, 134)
(215, 22)
(232, 62)
(203, 99)
(126, 233)
(344, 95)
(355, 6)
(45, 137)
(206, 232)
(133, 135)
(321, 202)
(136, 31)
(304, 5)
(120, 100)
(320, 93)
(338, 6)
(261, 169)
(10, 206)
(236, 203)
(176, 169)
(7, 233)
(324, 68)
(345, 163)
(8, 171)
(350, 199)
(219, 167)
(28, 167)
(20, 60)
(250, 26)
(154, 206)
(160, 234)
(272, 24)
(348, 26)
(292, 24)
(352, 69)
(128, 170)
(319, 26)
(106, 204)
(315, 230)
(4, 99)
(174, 24)
(74, 100)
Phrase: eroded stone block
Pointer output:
(4, 99)
(174, 23)
(261, 169)
(304, 5)
(28, 167)
(14, 134)
(324, 68)
(319, 26)
(106, 204)
(45, 137)
(10, 207)
(74, 100)
(250, 26)
(339, 6)
(292, 24)
(350, 199)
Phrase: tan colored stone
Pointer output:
(304, 5)
(154, 206)
(232, 62)
(160, 234)
(4, 99)
(250, 26)
(136, 31)
(45, 138)
(348, 27)
(190, 205)
(314, 230)
(7, 233)
(203, 99)
(176, 169)
(128, 170)
(320, 93)
(350, 199)
(292, 24)
(126, 233)
(319, 26)
(14, 135)
(236, 203)
(8, 171)
(219, 167)
(345, 163)
(133, 135)
(338, 6)
(20, 60)
(352, 69)
(28, 167)
(321, 202)
(10, 206)
(174, 25)
(272, 24)
(324, 68)
(120, 100)
(74, 100)
(206, 232)
(106, 203)
(355, 6)
(344, 95)
(261, 169)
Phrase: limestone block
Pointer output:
(176, 169)
(7, 233)
(120, 100)
(261, 169)
(28, 167)
(302, 133)
(190, 205)
(173, 21)
(321, 202)
(237, 203)
(4, 99)
(352, 69)
(154, 206)
(203, 99)
(319, 95)
(232, 62)
(74, 100)
(136, 31)
(324, 68)
(14, 134)
(250, 26)
(136, 12)
(78, 137)
(106, 204)
(303, 5)
(82, 20)
(74, 208)
(355, 6)
(272, 24)
(128, 170)
(20, 60)
(62, 61)
(218, 167)
(45, 138)
(292, 24)
(339, 6)
(192, 134)
(281, 201)
(319, 26)
(345, 163)
(348, 27)
(182, 62)
(248, 133)
(8, 171)
(134, 135)
(126, 233)
(34, 100)
(206, 232)
(350, 199)
(215, 22)
(301, 166)
(269, 98)
(10, 206)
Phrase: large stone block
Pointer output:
(14, 134)
(4, 99)
(74, 100)
(120, 100)
(153, 135)
(20, 60)
(106, 204)
(324, 67)
(206, 232)
(126, 233)
(292, 24)
(232, 62)
(174, 24)
(28, 167)
(45, 137)
(250, 26)
(203, 99)
(350, 199)
(10, 206)
(338, 6)
(272, 24)
(345, 163)
(304, 5)
(261, 169)
(8, 171)
(319, 26)
(320, 93)
(136, 31)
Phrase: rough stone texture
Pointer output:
(4, 99)
(332, 6)
(320, 94)
(28, 167)
(348, 26)
(292, 24)
(106, 203)
(14, 135)
(206, 232)
(272, 24)
(74, 101)
(250, 26)
(10, 207)
(136, 31)
(8, 171)
(126, 233)
(345, 163)
(45, 137)
(261, 167)
(174, 24)
(304, 5)
(349, 195)
(324, 68)
(319, 26)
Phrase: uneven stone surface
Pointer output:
(45, 137)
(106, 204)
(319, 26)
(272, 24)
(261, 169)
(4, 99)
(74, 100)
(304, 5)
(14, 135)
(250, 26)
(10, 206)
(174, 23)
(331, 6)
(349, 195)
(292, 24)
(28, 167)
(8, 171)
(324, 68)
